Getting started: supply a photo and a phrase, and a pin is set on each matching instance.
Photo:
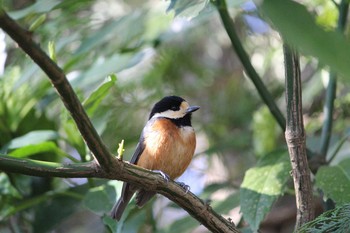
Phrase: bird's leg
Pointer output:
(184, 186)
(163, 174)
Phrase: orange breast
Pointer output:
(168, 148)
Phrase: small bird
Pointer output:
(166, 145)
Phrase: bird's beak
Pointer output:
(192, 109)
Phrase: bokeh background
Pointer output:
(130, 54)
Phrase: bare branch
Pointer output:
(143, 178)
(48, 169)
(295, 137)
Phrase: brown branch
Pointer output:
(108, 167)
(295, 137)
(48, 169)
(145, 179)
(62, 86)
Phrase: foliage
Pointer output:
(262, 185)
(336, 220)
(326, 177)
(122, 56)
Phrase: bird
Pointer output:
(166, 145)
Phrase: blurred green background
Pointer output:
(121, 57)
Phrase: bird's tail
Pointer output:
(119, 207)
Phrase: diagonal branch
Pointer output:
(62, 86)
(295, 137)
(242, 54)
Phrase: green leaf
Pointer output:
(328, 15)
(262, 185)
(31, 138)
(54, 207)
(34, 149)
(44, 147)
(37, 22)
(335, 182)
(117, 31)
(110, 222)
(299, 28)
(6, 188)
(101, 69)
(42, 6)
(134, 220)
(52, 50)
(187, 9)
(96, 97)
(335, 221)
(264, 131)
(98, 199)
(73, 136)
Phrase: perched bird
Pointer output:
(166, 145)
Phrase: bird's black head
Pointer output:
(174, 108)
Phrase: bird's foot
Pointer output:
(163, 174)
(184, 186)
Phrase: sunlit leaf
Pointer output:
(335, 181)
(328, 16)
(264, 131)
(52, 50)
(92, 102)
(262, 185)
(187, 9)
(299, 28)
(105, 67)
(33, 137)
(37, 23)
(29, 150)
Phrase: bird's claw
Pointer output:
(164, 175)
(184, 186)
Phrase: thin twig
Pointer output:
(48, 169)
(343, 8)
(295, 137)
(328, 114)
(251, 72)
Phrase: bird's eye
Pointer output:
(174, 108)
